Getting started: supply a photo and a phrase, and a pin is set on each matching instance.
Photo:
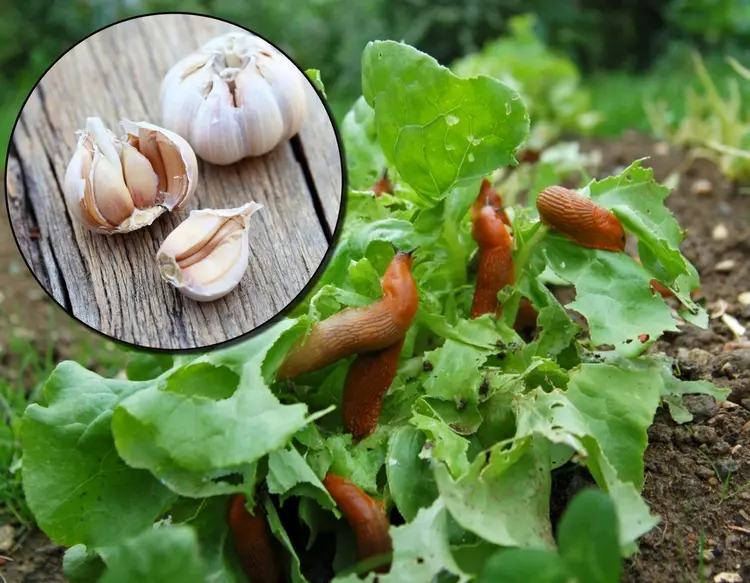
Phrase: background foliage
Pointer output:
(598, 36)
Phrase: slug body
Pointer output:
(357, 330)
(661, 289)
(383, 185)
(488, 196)
(368, 379)
(365, 516)
(495, 269)
(526, 316)
(256, 546)
(581, 220)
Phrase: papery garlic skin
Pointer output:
(236, 97)
(206, 256)
(117, 185)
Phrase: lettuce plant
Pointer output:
(714, 126)
(134, 475)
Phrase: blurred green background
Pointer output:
(607, 41)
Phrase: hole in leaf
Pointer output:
(557, 405)
(203, 380)
(233, 479)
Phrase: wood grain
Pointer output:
(111, 283)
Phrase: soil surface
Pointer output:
(697, 474)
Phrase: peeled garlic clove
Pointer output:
(206, 256)
(140, 177)
(170, 156)
(117, 185)
(237, 96)
(111, 196)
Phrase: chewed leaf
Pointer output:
(190, 439)
(488, 501)
(421, 551)
(290, 475)
(636, 188)
(613, 292)
(604, 416)
(557, 330)
(410, 478)
(398, 232)
(675, 389)
(443, 443)
(455, 373)
(438, 129)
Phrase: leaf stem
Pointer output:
(525, 253)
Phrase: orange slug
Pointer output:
(365, 516)
(495, 269)
(256, 546)
(356, 330)
(368, 379)
(489, 196)
(525, 317)
(383, 185)
(528, 156)
(663, 290)
(580, 219)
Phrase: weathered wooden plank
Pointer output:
(321, 152)
(111, 282)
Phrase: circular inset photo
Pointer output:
(174, 181)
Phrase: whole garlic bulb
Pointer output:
(118, 185)
(206, 256)
(237, 96)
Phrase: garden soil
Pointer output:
(697, 474)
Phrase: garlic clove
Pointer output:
(111, 195)
(77, 185)
(172, 158)
(117, 185)
(183, 243)
(180, 108)
(217, 133)
(226, 257)
(288, 92)
(140, 177)
(206, 256)
(261, 117)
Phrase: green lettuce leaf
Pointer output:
(488, 501)
(190, 440)
(437, 129)
(168, 554)
(78, 488)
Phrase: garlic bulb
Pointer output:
(206, 256)
(237, 96)
(117, 185)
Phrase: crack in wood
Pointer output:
(66, 303)
(299, 154)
